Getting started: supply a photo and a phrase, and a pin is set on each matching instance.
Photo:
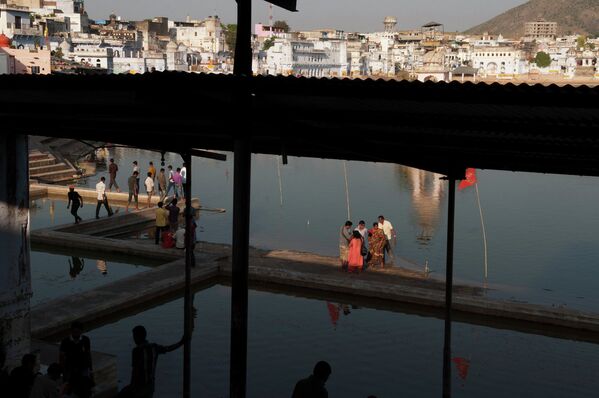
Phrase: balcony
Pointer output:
(28, 31)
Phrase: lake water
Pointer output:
(542, 249)
(541, 229)
(388, 354)
(55, 275)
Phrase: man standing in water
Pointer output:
(113, 168)
(75, 202)
(387, 228)
(143, 365)
(313, 386)
(345, 236)
(101, 196)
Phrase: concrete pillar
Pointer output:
(15, 273)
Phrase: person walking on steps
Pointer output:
(75, 202)
(132, 182)
(102, 199)
(113, 168)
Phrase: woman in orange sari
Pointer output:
(376, 245)
(355, 258)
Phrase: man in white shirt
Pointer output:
(183, 173)
(101, 196)
(149, 183)
(387, 228)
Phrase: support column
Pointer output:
(243, 43)
(15, 273)
(189, 263)
(239, 283)
(449, 289)
(241, 206)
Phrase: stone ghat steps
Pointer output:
(44, 167)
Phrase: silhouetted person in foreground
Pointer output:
(76, 361)
(143, 365)
(47, 386)
(4, 376)
(313, 386)
(22, 377)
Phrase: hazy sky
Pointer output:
(348, 15)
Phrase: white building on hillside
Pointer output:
(322, 58)
(206, 35)
(501, 62)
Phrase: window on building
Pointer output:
(17, 22)
(35, 70)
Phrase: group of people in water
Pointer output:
(361, 248)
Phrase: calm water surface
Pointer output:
(542, 248)
(388, 354)
(543, 245)
(54, 275)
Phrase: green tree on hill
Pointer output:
(542, 59)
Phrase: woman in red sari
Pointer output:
(376, 245)
(356, 259)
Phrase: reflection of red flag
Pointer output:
(333, 313)
(470, 179)
(462, 364)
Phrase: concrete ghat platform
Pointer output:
(100, 305)
(287, 269)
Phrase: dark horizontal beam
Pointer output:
(207, 154)
(441, 128)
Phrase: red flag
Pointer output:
(470, 179)
(333, 313)
(462, 364)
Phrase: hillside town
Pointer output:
(58, 36)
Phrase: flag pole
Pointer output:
(280, 180)
(482, 223)
(346, 189)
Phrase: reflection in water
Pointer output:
(75, 266)
(462, 365)
(427, 191)
(335, 311)
(52, 211)
(101, 265)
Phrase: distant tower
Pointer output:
(390, 24)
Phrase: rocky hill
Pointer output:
(572, 16)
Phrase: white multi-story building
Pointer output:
(206, 35)
(16, 21)
(502, 62)
(311, 58)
